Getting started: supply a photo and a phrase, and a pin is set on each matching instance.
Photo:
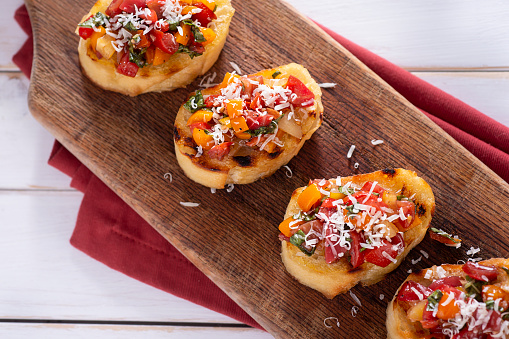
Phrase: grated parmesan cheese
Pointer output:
(168, 176)
(350, 151)
(189, 204)
(375, 142)
(327, 85)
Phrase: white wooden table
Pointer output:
(48, 289)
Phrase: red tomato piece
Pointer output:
(333, 251)
(391, 249)
(328, 203)
(428, 320)
(442, 239)
(220, 151)
(205, 16)
(114, 8)
(85, 32)
(129, 6)
(150, 15)
(408, 208)
(157, 6)
(303, 94)
(165, 41)
(407, 291)
(250, 83)
(377, 189)
(450, 281)
(480, 272)
(209, 101)
(196, 47)
(201, 125)
(256, 120)
(356, 256)
(127, 68)
(256, 102)
(363, 198)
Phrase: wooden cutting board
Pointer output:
(233, 237)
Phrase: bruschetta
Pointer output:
(348, 230)
(138, 46)
(453, 301)
(246, 127)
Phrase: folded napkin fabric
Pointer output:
(108, 230)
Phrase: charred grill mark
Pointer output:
(355, 270)
(389, 171)
(176, 134)
(275, 154)
(244, 161)
(420, 209)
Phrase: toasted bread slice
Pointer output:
(178, 71)
(339, 276)
(399, 326)
(246, 158)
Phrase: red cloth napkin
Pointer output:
(111, 232)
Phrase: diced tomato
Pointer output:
(328, 203)
(114, 8)
(220, 151)
(356, 256)
(250, 83)
(480, 272)
(428, 320)
(157, 6)
(377, 189)
(127, 68)
(256, 120)
(200, 125)
(205, 16)
(407, 291)
(451, 290)
(321, 183)
(256, 102)
(333, 251)
(442, 239)
(209, 101)
(303, 94)
(85, 32)
(165, 41)
(392, 249)
(196, 47)
(363, 198)
(408, 208)
(149, 15)
(450, 281)
(129, 6)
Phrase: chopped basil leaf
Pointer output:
(172, 25)
(185, 49)
(347, 191)
(490, 304)
(401, 197)
(473, 288)
(130, 26)
(136, 56)
(198, 36)
(505, 316)
(433, 300)
(506, 270)
(299, 240)
(269, 129)
(351, 210)
(275, 74)
(215, 7)
(376, 194)
(99, 19)
(195, 102)
(304, 216)
(444, 234)
(362, 249)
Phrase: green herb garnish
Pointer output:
(271, 128)
(444, 234)
(473, 288)
(400, 197)
(490, 304)
(185, 49)
(299, 240)
(130, 26)
(195, 102)
(433, 300)
(275, 74)
(99, 19)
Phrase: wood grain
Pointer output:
(232, 237)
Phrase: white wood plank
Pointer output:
(24, 144)
(44, 277)
(486, 91)
(413, 34)
(421, 34)
(66, 331)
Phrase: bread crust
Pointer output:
(177, 72)
(398, 325)
(339, 277)
(260, 164)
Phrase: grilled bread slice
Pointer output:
(158, 62)
(247, 127)
(472, 288)
(323, 240)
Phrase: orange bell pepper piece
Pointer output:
(309, 197)
(149, 54)
(203, 139)
(288, 224)
(183, 38)
(208, 34)
(143, 40)
(447, 311)
(96, 35)
(210, 4)
(200, 116)
(160, 57)
(234, 108)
